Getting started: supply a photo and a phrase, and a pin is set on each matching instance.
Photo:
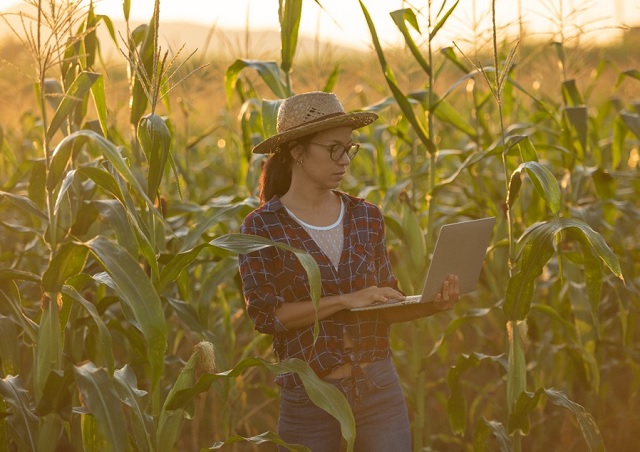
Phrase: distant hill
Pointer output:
(217, 42)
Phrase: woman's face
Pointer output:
(316, 165)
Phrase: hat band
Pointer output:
(322, 118)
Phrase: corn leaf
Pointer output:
(76, 92)
(268, 71)
(10, 296)
(136, 399)
(518, 420)
(484, 428)
(24, 203)
(24, 421)
(68, 260)
(262, 438)
(289, 25)
(171, 419)
(517, 371)
(400, 97)
(536, 248)
(141, 301)
(101, 399)
(400, 18)
(105, 350)
(56, 396)
(49, 346)
(543, 180)
(457, 404)
(632, 121)
(9, 341)
(323, 394)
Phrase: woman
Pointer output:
(301, 207)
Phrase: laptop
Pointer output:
(460, 250)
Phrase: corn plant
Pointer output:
(122, 323)
(95, 299)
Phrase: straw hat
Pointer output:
(308, 113)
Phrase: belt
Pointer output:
(345, 370)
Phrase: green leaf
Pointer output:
(101, 399)
(155, 139)
(24, 203)
(262, 438)
(586, 324)
(400, 97)
(99, 95)
(588, 427)
(527, 149)
(105, 349)
(632, 121)
(116, 217)
(244, 243)
(111, 152)
(10, 296)
(289, 25)
(144, 66)
(543, 180)
(268, 71)
(135, 399)
(49, 346)
(76, 92)
(269, 115)
(323, 394)
(56, 396)
(442, 21)
(332, 80)
(170, 420)
(571, 94)
(451, 56)
(400, 17)
(10, 345)
(481, 436)
(141, 302)
(518, 420)
(24, 421)
(517, 371)
(536, 248)
(68, 261)
(60, 199)
(632, 73)
(413, 237)
(12, 273)
(578, 119)
(457, 405)
(103, 179)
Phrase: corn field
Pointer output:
(122, 322)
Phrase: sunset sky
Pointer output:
(342, 20)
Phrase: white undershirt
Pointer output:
(328, 238)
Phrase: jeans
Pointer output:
(378, 405)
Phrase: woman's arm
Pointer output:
(303, 313)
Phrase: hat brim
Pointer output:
(354, 120)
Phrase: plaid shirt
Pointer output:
(273, 276)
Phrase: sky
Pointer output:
(343, 21)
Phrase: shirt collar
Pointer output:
(274, 204)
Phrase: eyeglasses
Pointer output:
(336, 151)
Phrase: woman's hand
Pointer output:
(449, 296)
(369, 296)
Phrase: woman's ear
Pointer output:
(296, 149)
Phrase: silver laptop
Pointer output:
(460, 250)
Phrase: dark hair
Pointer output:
(276, 175)
(276, 172)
